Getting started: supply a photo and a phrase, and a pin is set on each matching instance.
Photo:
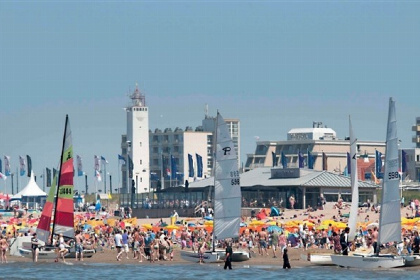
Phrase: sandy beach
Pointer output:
(295, 255)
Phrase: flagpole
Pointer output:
(104, 176)
(119, 175)
(162, 178)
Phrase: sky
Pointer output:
(275, 65)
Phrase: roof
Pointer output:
(31, 189)
(309, 178)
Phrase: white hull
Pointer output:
(368, 262)
(412, 260)
(318, 259)
(209, 257)
(52, 255)
(19, 242)
(237, 256)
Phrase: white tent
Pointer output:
(31, 190)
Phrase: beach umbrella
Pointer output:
(257, 223)
(208, 218)
(147, 226)
(274, 228)
(322, 227)
(172, 227)
(372, 225)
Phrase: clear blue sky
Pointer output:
(274, 65)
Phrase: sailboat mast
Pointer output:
(214, 178)
(59, 175)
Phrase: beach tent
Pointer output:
(31, 194)
(274, 212)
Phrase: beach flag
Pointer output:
(22, 166)
(104, 161)
(283, 160)
(7, 165)
(403, 161)
(310, 160)
(29, 161)
(190, 166)
(121, 160)
(1, 168)
(324, 161)
(199, 166)
(97, 166)
(301, 159)
(79, 166)
(98, 176)
(130, 167)
(2, 176)
(348, 164)
(48, 177)
(378, 165)
(173, 167)
(274, 157)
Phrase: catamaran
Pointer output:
(325, 259)
(63, 222)
(390, 216)
(227, 197)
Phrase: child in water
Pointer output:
(286, 263)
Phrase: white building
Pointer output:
(135, 144)
(178, 144)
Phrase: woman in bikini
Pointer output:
(3, 247)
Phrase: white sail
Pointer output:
(390, 217)
(354, 184)
(227, 188)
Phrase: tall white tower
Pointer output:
(138, 141)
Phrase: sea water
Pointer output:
(19, 270)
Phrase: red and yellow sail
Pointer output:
(64, 212)
(44, 225)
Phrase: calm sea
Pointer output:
(45, 271)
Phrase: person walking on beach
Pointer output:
(263, 241)
(292, 202)
(375, 240)
(286, 262)
(201, 249)
(79, 245)
(3, 247)
(118, 244)
(336, 241)
(125, 243)
(62, 250)
(344, 241)
(274, 242)
(228, 258)
(416, 243)
(35, 248)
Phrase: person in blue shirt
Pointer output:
(125, 243)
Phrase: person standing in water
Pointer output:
(228, 258)
(286, 263)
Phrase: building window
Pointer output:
(140, 144)
(141, 162)
(141, 179)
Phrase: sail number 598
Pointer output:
(393, 175)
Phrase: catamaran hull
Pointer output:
(368, 262)
(237, 256)
(412, 260)
(318, 259)
(52, 255)
(217, 256)
(209, 257)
